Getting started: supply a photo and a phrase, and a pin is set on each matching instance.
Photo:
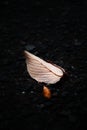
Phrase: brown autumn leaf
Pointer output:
(46, 92)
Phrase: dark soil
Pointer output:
(55, 32)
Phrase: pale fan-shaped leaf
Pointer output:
(41, 70)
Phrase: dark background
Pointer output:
(55, 32)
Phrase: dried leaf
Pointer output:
(41, 70)
(46, 92)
